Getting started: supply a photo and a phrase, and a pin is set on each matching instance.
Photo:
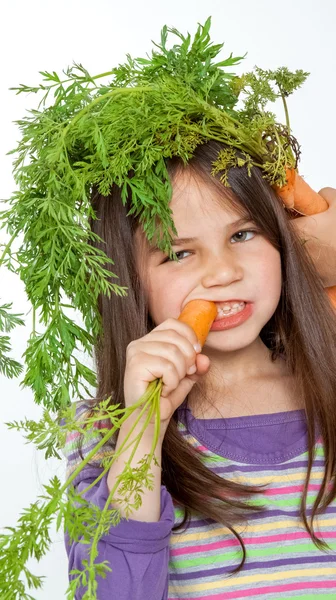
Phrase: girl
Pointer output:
(243, 499)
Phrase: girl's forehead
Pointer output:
(193, 198)
(193, 204)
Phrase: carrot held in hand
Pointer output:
(199, 314)
(299, 195)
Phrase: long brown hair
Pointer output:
(302, 330)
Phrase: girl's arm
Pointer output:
(320, 232)
(150, 508)
(137, 550)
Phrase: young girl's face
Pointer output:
(225, 261)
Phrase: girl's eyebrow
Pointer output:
(188, 240)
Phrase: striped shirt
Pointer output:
(154, 563)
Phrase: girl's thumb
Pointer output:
(203, 365)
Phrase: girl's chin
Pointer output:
(233, 339)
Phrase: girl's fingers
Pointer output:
(167, 352)
(202, 363)
(329, 194)
(160, 367)
(170, 352)
(147, 367)
(182, 329)
(171, 339)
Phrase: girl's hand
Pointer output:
(168, 352)
(319, 231)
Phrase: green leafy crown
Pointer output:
(121, 132)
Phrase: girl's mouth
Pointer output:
(237, 316)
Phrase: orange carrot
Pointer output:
(299, 195)
(331, 291)
(199, 314)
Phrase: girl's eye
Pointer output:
(244, 231)
(177, 254)
(235, 234)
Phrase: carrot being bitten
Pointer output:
(199, 314)
(298, 194)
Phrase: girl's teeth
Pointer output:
(231, 309)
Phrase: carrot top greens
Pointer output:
(85, 132)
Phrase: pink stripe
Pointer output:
(291, 489)
(250, 593)
(266, 539)
(72, 436)
(75, 434)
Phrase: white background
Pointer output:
(42, 35)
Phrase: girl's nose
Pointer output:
(221, 271)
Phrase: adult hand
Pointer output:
(320, 232)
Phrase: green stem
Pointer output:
(56, 302)
(84, 80)
(109, 434)
(287, 123)
(236, 132)
(150, 400)
(7, 247)
(94, 450)
(154, 406)
(248, 147)
(100, 99)
(217, 112)
(279, 147)
(286, 110)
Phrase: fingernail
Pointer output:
(197, 347)
(192, 370)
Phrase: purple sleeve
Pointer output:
(137, 551)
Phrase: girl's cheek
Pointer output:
(271, 276)
(166, 296)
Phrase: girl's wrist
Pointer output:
(148, 430)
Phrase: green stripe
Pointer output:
(270, 504)
(315, 596)
(286, 502)
(268, 552)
